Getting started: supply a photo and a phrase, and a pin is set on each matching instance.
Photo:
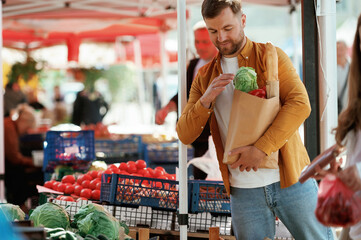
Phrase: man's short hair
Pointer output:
(200, 26)
(212, 8)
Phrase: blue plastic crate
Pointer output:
(127, 190)
(121, 150)
(209, 196)
(165, 152)
(69, 148)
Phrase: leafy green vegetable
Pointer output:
(245, 79)
(12, 212)
(93, 219)
(50, 215)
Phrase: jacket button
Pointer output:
(202, 127)
(209, 112)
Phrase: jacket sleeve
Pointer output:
(194, 116)
(295, 107)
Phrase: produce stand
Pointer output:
(145, 204)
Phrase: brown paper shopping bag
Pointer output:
(251, 116)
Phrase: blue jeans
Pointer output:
(254, 211)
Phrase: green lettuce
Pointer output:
(93, 219)
(50, 215)
(12, 212)
(245, 79)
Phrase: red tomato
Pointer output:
(77, 190)
(170, 176)
(142, 171)
(68, 179)
(69, 189)
(93, 174)
(151, 171)
(59, 197)
(147, 174)
(112, 166)
(61, 187)
(100, 174)
(116, 170)
(55, 185)
(81, 198)
(160, 168)
(48, 184)
(140, 164)
(95, 194)
(132, 168)
(83, 177)
(123, 166)
(67, 198)
(86, 193)
(98, 186)
(85, 184)
(158, 173)
(93, 184)
(108, 171)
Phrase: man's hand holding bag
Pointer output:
(252, 115)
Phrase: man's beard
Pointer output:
(235, 46)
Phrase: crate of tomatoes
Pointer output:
(133, 184)
(209, 196)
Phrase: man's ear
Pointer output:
(243, 20)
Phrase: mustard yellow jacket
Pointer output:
(282, 134)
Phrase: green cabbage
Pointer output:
(12, 212)
(93, 219)
(50, 215)
(245, 79)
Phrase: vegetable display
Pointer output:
(12, 212)
(50, 215)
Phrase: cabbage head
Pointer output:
(12, 212)
(50, 215)
(245, 79)
(93, 219)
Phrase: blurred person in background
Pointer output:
(21, 176)
(89, 106)
(60, 112)
(206, 52)
(13, 96)
(348, 132)
(343, 66)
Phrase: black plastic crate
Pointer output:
(127, 190)
(120, 150)
(165, 152)
(209, 196)
(69, 148)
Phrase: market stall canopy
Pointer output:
(29, 25)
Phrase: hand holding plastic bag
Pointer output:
(337, 205)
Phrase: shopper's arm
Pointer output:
(295, 107)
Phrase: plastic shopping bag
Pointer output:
(337, 205)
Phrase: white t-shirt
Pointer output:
(252, 179)
(353, 146)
